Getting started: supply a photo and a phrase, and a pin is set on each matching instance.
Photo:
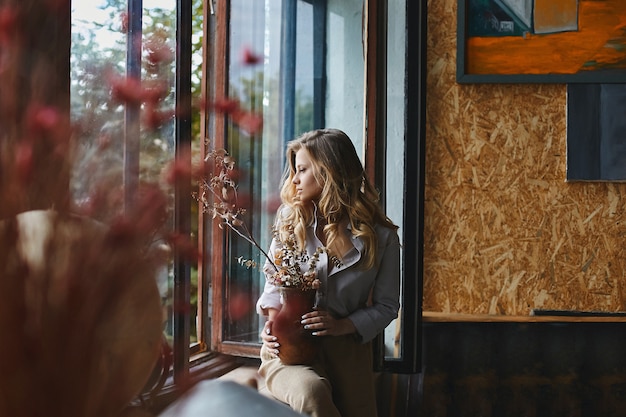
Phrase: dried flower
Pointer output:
(224, 105)
(249, 122)
(130, 90)
(157, 50)
(124, 22)
(289, 261)
(8, 24)
(218, 196)
(154, 118)
(248, 57)
(24, 161)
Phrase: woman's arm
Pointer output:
(323, 324)
(269, 340)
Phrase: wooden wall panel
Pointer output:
(504, 232)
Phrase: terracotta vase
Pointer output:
(297, 345)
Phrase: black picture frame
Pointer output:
(596, 132)
(480, 18)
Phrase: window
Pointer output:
(152, 42)
(324, 63)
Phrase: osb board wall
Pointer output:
(504, 232)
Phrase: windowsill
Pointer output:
(544, 317)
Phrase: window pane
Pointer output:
(120, 147)
(98, 46)
(252, 86)
(345, 69)
(396, 115)
(157, 147)
(311, 76)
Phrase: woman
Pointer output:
(328, 202)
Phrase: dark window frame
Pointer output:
(182, 205)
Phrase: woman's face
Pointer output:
(307, 187)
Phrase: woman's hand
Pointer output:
(323, 324)
(270, 341)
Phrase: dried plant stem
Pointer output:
(250, 239)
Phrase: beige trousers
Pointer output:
(339, 384)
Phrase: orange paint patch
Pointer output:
(556, 53)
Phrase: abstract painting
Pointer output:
(557, 41)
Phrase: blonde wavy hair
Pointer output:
(346, 194)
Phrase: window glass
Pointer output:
(98, 47)
(395, 123)
(121, 146)
(345, 69)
